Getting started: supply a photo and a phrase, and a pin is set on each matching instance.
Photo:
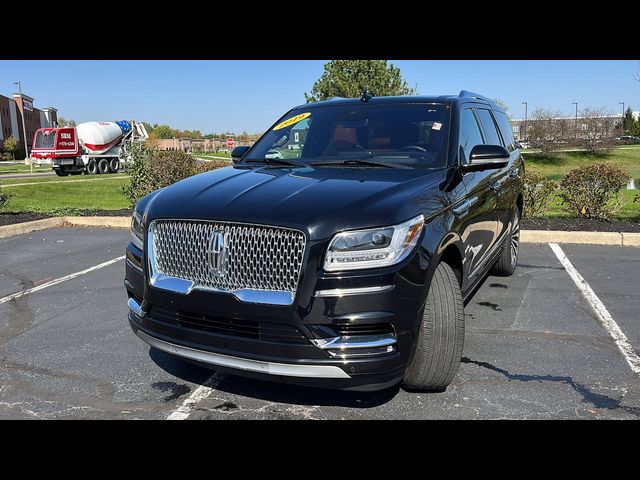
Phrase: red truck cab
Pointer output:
(50, 143)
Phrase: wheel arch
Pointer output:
(450, 251)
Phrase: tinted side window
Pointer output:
(470, 135)
(489, 127)
(505, 130)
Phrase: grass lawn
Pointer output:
(213, 155)
(558, 165)
(67, 198)
(22, 168)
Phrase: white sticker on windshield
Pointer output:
(436, 126)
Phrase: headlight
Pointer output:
(374, 247)
(137, 232)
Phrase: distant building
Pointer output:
(204, 145)
(609, 126)
(11, 115)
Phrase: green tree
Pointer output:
(11, 145)
(63, 122)
(628, 122)
(164, 131)
(348, 78)
(148, 126)
(502, 105)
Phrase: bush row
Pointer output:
(590, 191)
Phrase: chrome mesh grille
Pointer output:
(258, 257)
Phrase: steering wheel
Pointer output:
(412, 147)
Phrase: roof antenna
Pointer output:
(366, 96)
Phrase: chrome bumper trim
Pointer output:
(355, 341)
(286, 369)
(345, 292)
(246, 295)
(135, 307)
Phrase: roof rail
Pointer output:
(466, 93)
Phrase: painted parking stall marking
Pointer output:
(199, 394)
(56, 281)
(605, 318)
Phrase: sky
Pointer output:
(219, 96)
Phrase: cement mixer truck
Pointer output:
(90, 147)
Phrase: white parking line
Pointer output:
(8, 185)
(605, 318)
(199, 394)
(56, 281)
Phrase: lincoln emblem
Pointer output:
(217, 253)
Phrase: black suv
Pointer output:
(337, 251)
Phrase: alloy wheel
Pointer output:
(515, 239)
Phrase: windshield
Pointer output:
(45, 139)
(413, 135)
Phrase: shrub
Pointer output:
(594, 191)
(151, 169)
(537, 193)
(212, 165)
(136, 168)
(4, 198)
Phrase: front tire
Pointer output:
(508, 260)
(438, 349)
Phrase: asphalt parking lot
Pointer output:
(534, 348)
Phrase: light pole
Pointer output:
(622, 125)
(24, 127)
(576, 125)
(525, 120)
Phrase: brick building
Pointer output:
(11, 115)
(204, 145)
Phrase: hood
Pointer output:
(320, 201)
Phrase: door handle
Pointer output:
(462, 209)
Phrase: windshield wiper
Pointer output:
(360, 161)
(281, 161)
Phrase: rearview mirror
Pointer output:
(238, 152)
(486, 157)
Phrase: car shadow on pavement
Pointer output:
(271, 391)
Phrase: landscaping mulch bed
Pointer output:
(8, 218)
(11, 218)
(580, 224)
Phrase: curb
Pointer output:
(526, 236)
(26, 227)
(54, 222)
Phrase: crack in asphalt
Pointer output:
(598, 400)
(177, 390)
(494, 306)
(24, 316)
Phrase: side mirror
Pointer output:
(238, 152)
(486, 157)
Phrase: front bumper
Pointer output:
(392, 297)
